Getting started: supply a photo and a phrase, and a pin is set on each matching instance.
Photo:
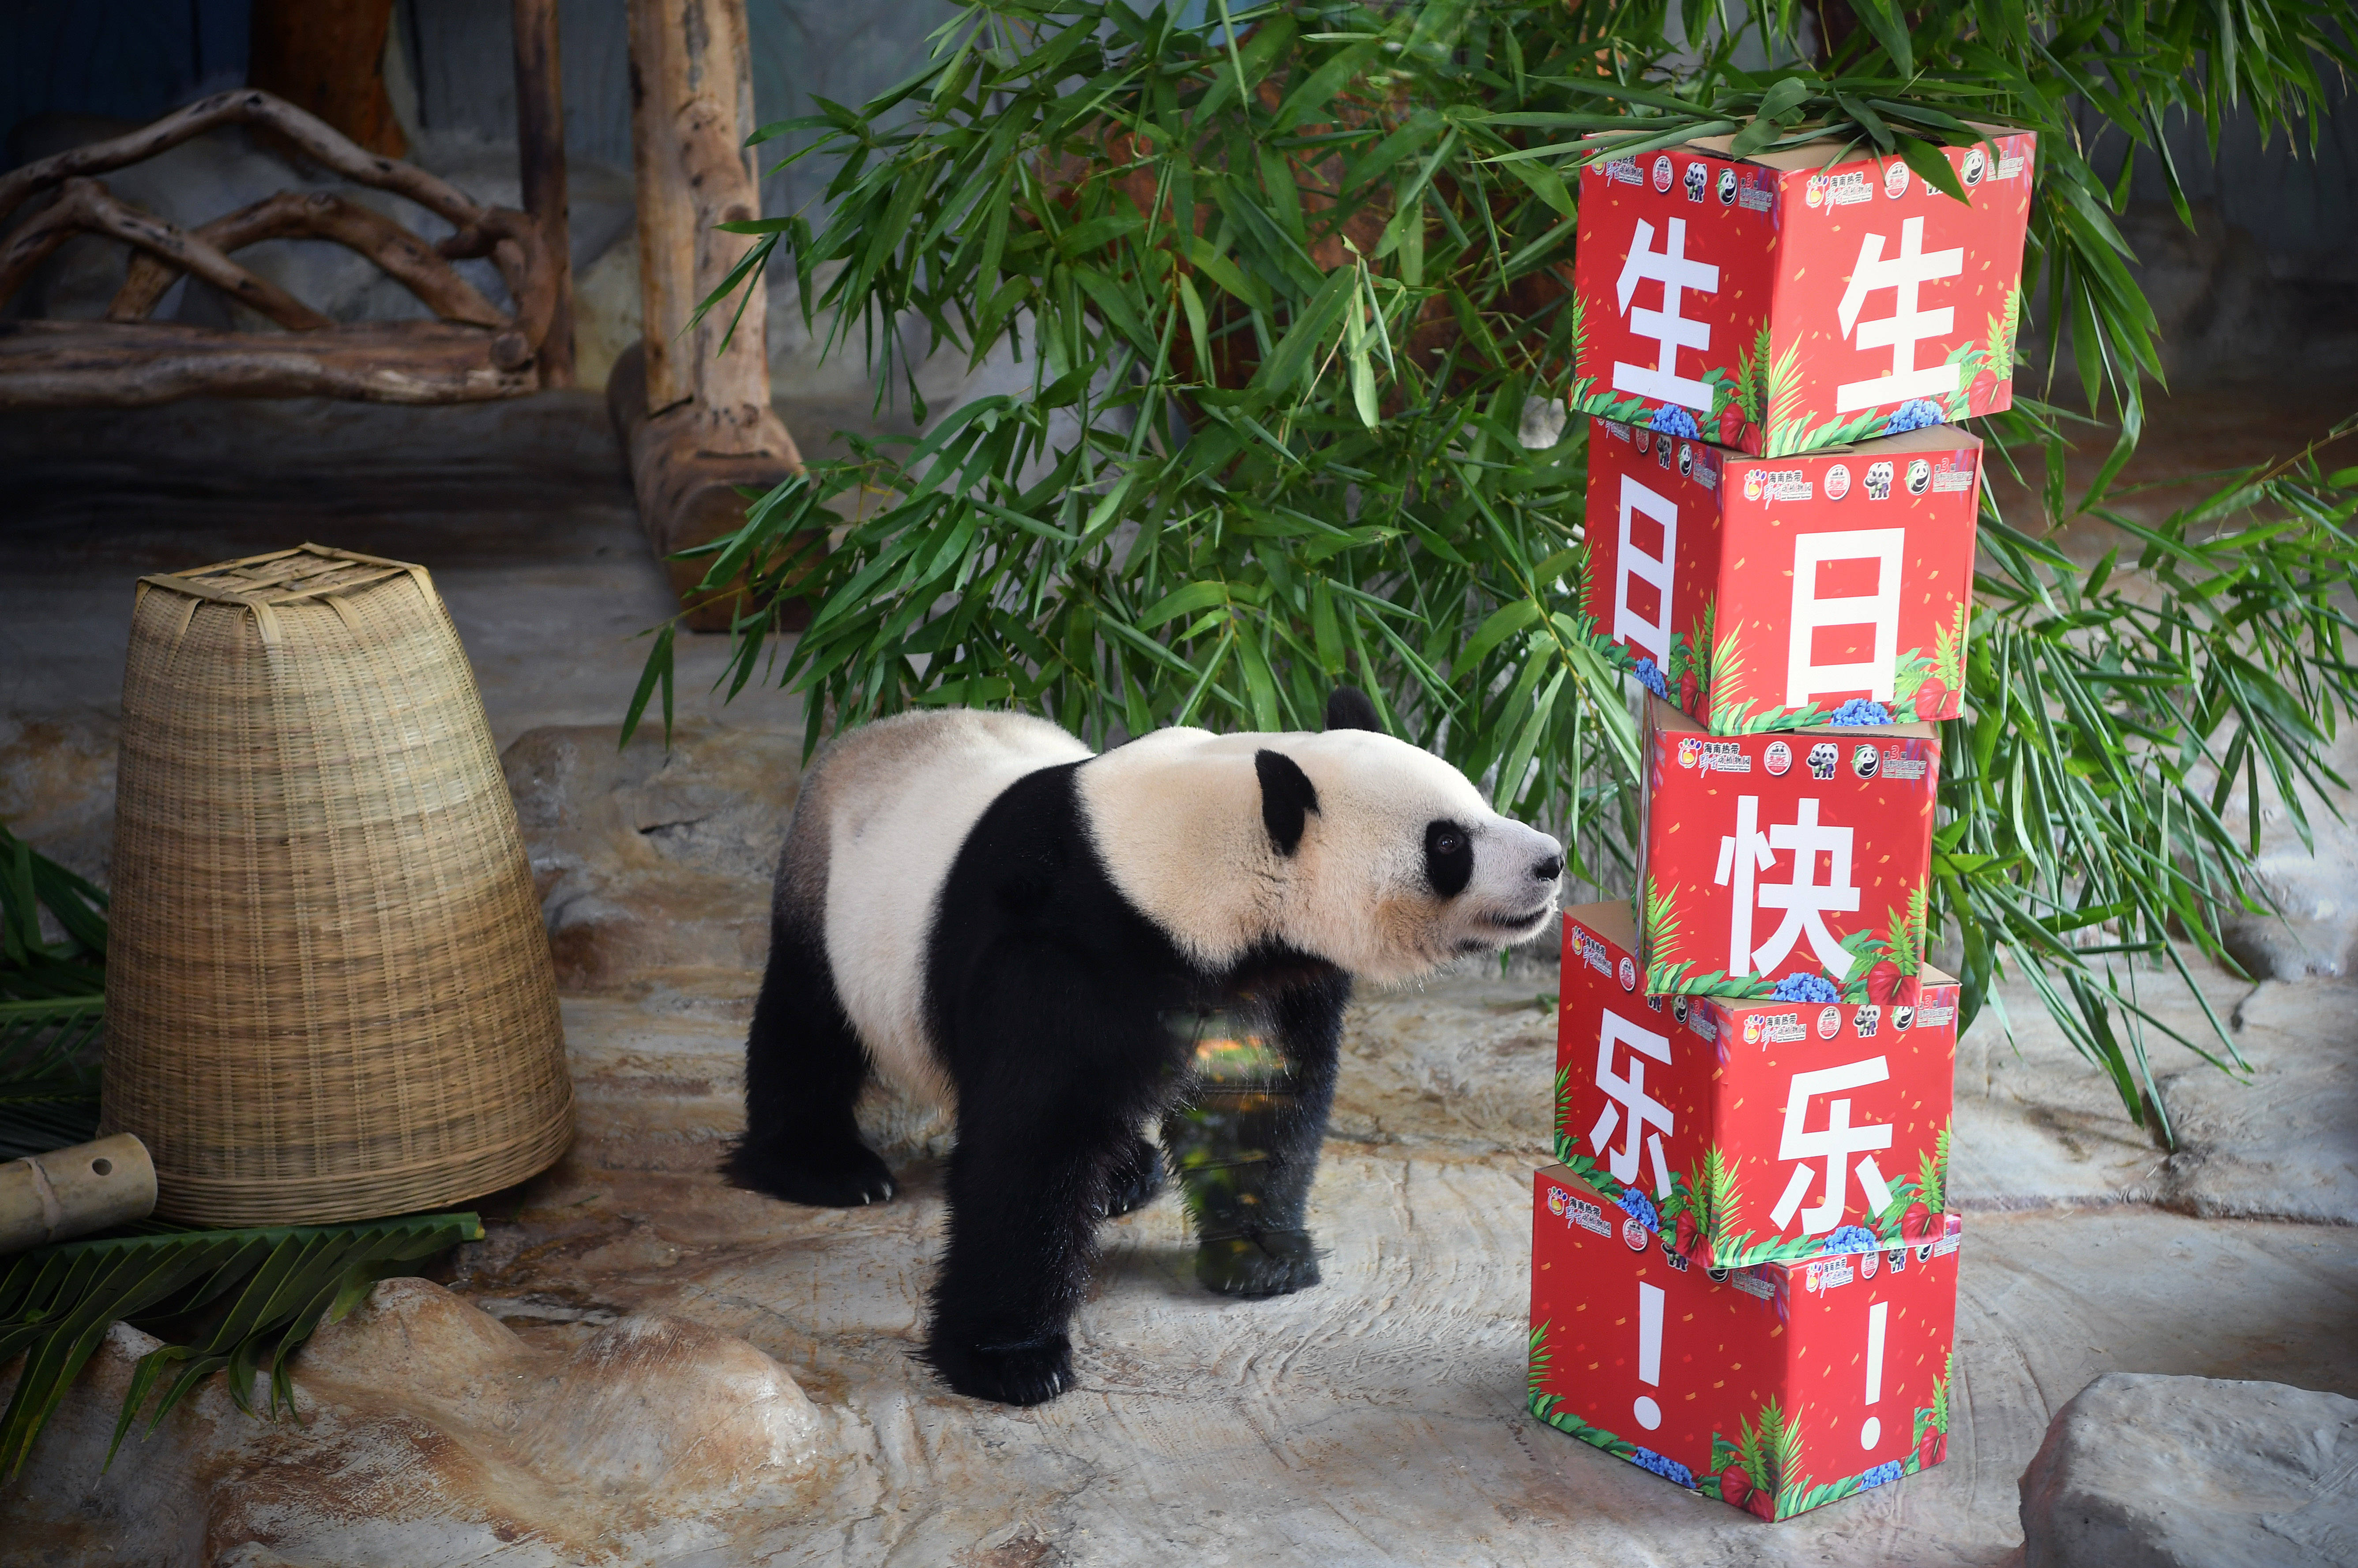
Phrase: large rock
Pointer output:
(2141, 1471)
(653, 856)
(428, 1432)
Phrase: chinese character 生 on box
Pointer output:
(1791, 865)
(1777, 1389)
(1747, 1132)
(1762, 593)
(1776, 304)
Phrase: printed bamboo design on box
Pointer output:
(329, 993)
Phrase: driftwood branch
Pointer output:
(127, 364)
(540, 160)
(401, 255)
(83, 206)
(246, 106)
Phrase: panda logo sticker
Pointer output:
(1662, 173)
(1697, 177)
(1902, 1017)
(1878, 482)
(1679, 1007)
(1829, 1022)
(1662, 453)
(1920, 477)
(1837, 482)
(1976, 164)
(1823, 757)
(1866, 1021)
(1864, 761)
(1717, 1276)
(1728, 188)
(1924, 1253)
(1895, 181)
(1628, 975)
(1777, 759)
(1686, 461)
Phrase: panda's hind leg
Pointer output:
(804, 1071)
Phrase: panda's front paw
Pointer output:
(844, 1177)
(1006, 1374)
(1272, 1263)
(1137, 1178)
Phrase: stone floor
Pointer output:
(1375, 1419)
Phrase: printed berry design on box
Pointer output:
(1743, 1133)
(1755, 594)
(1791, 866)
(1776, 1389)
(1775, 306)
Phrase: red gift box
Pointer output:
(1749, 1132)
(1774, 305)
(1793, 866)
(1769, 593)
(1776, 1389)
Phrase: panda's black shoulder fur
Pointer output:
(1029, 902)
(1051, 1000)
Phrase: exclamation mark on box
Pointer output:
(1873, 1430)
(1649, 1353)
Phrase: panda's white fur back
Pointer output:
(897, 799)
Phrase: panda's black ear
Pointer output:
(1350, 709)
(1287, 798)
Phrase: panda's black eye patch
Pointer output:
(1448, 856)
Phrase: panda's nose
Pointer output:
(1549, 870)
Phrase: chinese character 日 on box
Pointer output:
(1776, 304)
(1773, 593)
(1777, 1389)
(1789, 866)
(1748, 1132)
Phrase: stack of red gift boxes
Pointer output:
(1744, 1275)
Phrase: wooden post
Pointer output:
(540, 149)
(327, 56)
(696, 419)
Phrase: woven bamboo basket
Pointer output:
(329, 993)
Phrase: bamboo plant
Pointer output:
(1291, 283)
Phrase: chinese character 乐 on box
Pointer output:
(1747, 1132)
(1777, 1389)
(1762, 593)
(1776, 304)
(1791, 866)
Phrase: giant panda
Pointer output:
(975, 907)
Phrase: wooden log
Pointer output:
(696, 419)
(73, 1191)
(129, 364)
(692, 108)
(319, 214)
(83, 206)
(327, 56)
(540, 151)
(688, 494)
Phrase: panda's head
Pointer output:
(1349, 845)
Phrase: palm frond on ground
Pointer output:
(233, 1300)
